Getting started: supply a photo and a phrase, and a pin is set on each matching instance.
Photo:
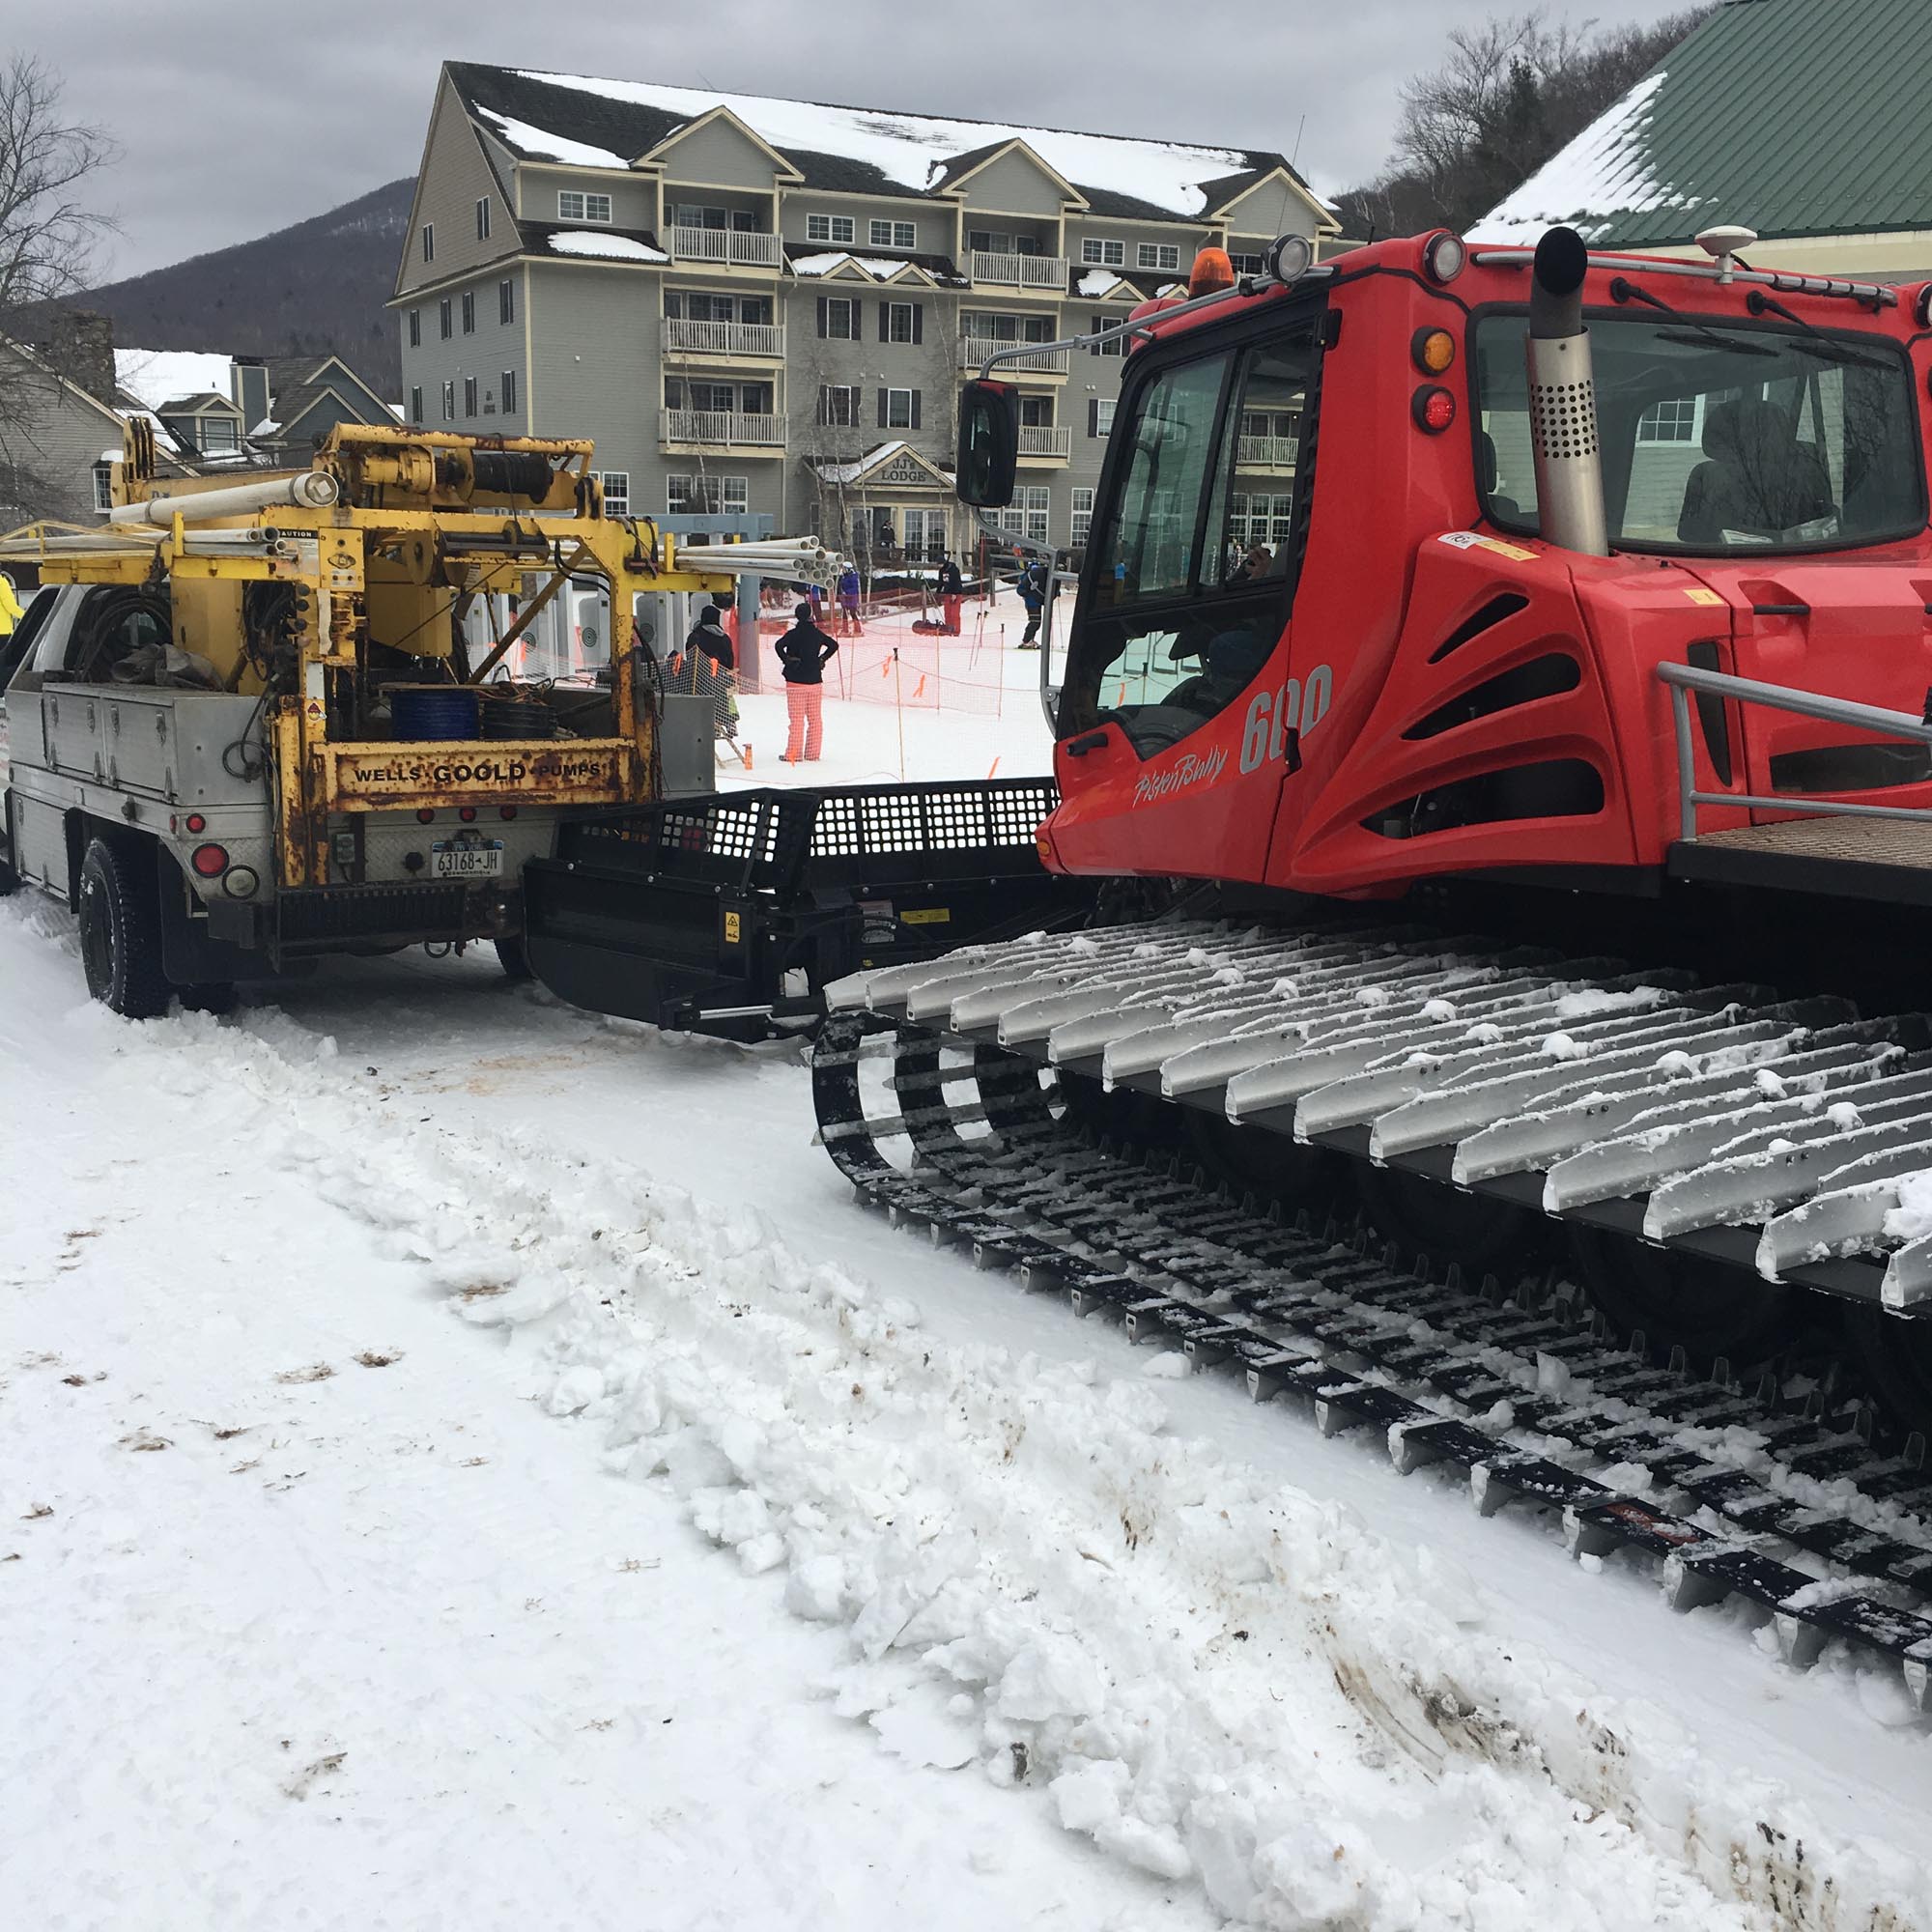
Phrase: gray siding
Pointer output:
(932, 227)
(1014, 185)
(48, 450)
(494, 348)
(717, 154)
(455, 177)
(1273, 208)
(634, 202)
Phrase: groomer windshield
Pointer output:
(1719, 439)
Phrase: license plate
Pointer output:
(449, 861)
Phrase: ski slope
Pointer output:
(669, 1544)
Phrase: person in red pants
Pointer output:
(952, 589)
(804, 652)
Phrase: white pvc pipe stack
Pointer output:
(307, 489)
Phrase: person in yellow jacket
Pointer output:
(10, 613)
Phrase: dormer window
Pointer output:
(220, 434)
(576, 204)
(827, 228)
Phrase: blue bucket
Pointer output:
(419, 712)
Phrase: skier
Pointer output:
(803, 654)
(952, 589)
(848, 602)
(1031, 588)
(710, 665)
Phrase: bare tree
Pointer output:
(48, 236)
(1508, 95)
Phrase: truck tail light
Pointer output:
(209, 861)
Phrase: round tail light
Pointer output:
(195, 822)
(1433, 409)
(209, 861)
(506, 811)
(467, 815)
(424, 815)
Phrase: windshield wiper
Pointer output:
(1624, 290)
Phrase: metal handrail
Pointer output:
(1879, 295)
(1684, 679)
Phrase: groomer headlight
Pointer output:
(1289, 257)
(1444, 256)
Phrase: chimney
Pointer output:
(248, 386)
(81, 346)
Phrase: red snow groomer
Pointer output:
(1497, 702)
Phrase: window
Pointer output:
(429, 241)
(416, 405)
(898, 408)
(103, 486)
(893, 234)
(616, 491)
(1722, 439)
(1037, 411)
(1104, 254)
(1193, 606)
(219, 434)
(506, 301)
(1083, 516)
(837, 318)
(988, 240)
(1246, 265)
(483, 218)
(574, 204)
(1115, 345)
(1101, 414)
(1157, 255)
(469, 395)
(1672, 420)
(509, 392)
(839, 405)
(827, 228)
(470, 311)
(901, 322)
(442, 323)
(708, 496)
(415, 328)
(690, 215)
(449, 401)
(1026, 515)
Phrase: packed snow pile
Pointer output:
(1212, 1677)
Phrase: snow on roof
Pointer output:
(157, 376)
(1099, 281)
(1604, 171)
(606, 247)
(912, 149)
(114, 455)
(884, 267)
(546, 146)
(850, 472)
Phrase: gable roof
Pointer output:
(861, 469)
(1793, 117)
(582, 122)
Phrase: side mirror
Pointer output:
(989, 444)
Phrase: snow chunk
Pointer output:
(605, 247)
(1051, 1677)
(1561, 1047)
(540, 141)
(1096, 282)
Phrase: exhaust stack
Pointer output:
(1563, 400)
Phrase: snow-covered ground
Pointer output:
(467, 1462)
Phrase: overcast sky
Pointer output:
(237, 117)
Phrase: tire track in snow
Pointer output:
(1209, 1675)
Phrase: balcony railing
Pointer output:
(1266, 452)
(1045, 439)
(724, 338)
(724, 429)
(726, 244)
(1021, 271)
(975, 348)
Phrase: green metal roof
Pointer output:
(1793, 117)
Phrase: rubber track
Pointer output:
(1474, 1381)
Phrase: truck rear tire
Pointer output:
(120, 929)
(513, 956)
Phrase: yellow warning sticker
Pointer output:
(734, 929)
(929, 916)
(312, 710)
(1698, 594)
(1475, 540)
